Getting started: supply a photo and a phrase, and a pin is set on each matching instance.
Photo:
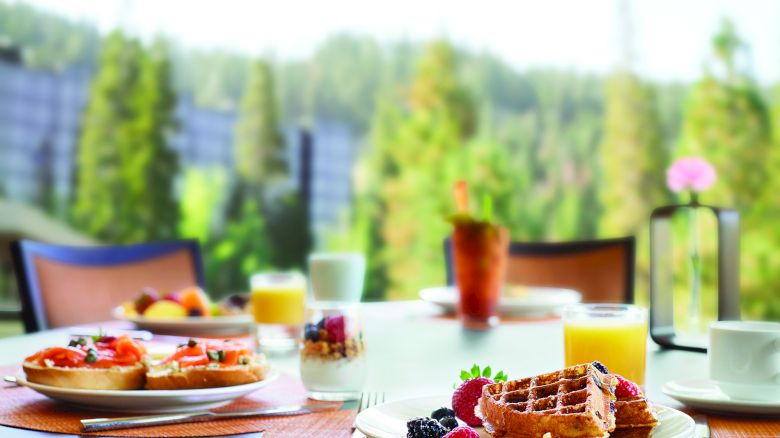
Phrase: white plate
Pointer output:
(706, 395)
(516, 300)
(191, 325)
(148, 401)
(389, 420)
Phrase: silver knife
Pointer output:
(98, 424)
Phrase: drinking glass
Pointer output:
(333, 361)
(613, 334)
(479, 251)
(277, 306)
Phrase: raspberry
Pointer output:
(462, 432)
(465, 398)
(424, 427)
(600, 366)
(626, 388)
(443, 412)
(449, 423)
(335, 327)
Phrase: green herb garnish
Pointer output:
(101, 334)
(213, 355)
(77, 342)
(476, 371)
(221, 354)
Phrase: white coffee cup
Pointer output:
(744, 359)
(337, 276)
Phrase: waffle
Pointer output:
(634, 417)
(573, 402)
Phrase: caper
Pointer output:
(213, 355)
(221, 354)
(192, 343)
(91, 356)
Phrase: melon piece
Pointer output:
(165, 309)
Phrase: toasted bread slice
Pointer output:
(172, 377)
(119, 378)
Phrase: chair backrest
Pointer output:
(601, 270)
(66, 285)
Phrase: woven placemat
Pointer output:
(24, 408)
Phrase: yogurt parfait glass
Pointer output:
(333, 361)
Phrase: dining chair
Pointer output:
(65, 285)
(601, 270)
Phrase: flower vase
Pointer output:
(694, 272)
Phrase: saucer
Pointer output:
(706, 395)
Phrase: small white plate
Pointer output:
(516, 300)
(148, 401)
(389, 420)
(706, 395)
(191, 325)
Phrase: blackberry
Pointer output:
(443, 412)
(449, 423)
(312, 333)
(600, 366)
(321, 324)
(424, 427)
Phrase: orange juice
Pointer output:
(278, 298)
(613, 334)
(278, 305)
(620, 346)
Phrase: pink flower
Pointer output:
(690, 173)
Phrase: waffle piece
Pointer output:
(570, 403)
(634, 413)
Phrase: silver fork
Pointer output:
(367, 400)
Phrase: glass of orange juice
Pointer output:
(613, 334)
(277, 301)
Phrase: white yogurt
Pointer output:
(342, 375)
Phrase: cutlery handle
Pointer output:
(98, 424)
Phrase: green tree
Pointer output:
(633, 156)
(259, 150)
(408, 175)
(125, 169)
(727, 122)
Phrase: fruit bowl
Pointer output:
(189, 325)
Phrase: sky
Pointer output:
(669, 40)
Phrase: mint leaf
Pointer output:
(487, 372)
(475, 371)
(464, 375)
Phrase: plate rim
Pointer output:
(511, 302)
(232, 320)
(681, 396)
(21, 379)
(689, 430)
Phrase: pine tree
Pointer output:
(633, 156)
(406, 198)
(727, 122)
(125, 167)
(259, 144)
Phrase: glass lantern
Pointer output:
(694, 272)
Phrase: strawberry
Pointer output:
(625, 388)
(462, 432)
(465, 399)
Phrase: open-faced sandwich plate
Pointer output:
(389, 420)
(191, 325)
(148, 401)
(515, 300)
